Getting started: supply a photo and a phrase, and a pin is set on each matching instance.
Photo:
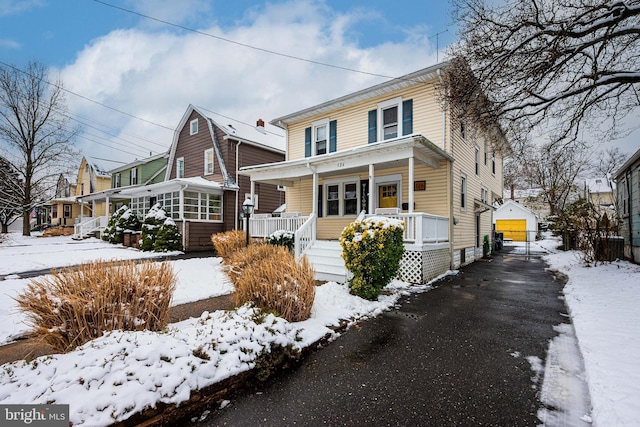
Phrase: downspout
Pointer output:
(184, 220)
(236, 213)
(451, 219)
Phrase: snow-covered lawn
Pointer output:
(121, 373)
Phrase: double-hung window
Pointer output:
(391, 119)
(117, 181)
(342, 197)
(208, 161)
(180, 167)
(193, 127)
(484, 194)
(477, 160)
(321, 138)
(133, 179)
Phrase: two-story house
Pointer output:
(66, 207)
(391, 149)
(201, 189)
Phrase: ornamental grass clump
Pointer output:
(271, 278)
(372, 250)
(227, 243)
(75, 305)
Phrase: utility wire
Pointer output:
(261, 49)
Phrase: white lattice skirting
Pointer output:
(420, 266)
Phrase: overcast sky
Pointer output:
(112, 58)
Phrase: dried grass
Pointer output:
(271, 278)
(76, 305)
(57, 231)
(227, 243)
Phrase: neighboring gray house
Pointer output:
(628, 196)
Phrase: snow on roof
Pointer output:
(521, 194)
(270, 136)
(599, 185)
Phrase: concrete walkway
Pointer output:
(467, 353)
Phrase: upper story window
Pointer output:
(463, 191)
(193, 127)
(477, 160)
(463, 129)
(320, 138)
(392, 118)
(208, 161)
(117, 180)
(180, 167)
(493, 161)
(134, 176)
(486, 150)
(484, 194)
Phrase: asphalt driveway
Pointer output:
(462, 354)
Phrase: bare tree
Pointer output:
(610, 160)
(10, 195)
(568, 63)
(34, 131)
(556, 169)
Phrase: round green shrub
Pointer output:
(372, 250)
(282, 238)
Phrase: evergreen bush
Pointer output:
(159, 232)
(282, 238)
(122, 220)
(372, 250)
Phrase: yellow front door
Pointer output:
(388, 196)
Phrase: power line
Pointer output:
(261, 49)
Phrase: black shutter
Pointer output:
(307, 142)
(333, 125)
(373, 126)
(320, 201)
(407, 117)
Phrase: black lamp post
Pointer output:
(247, 210)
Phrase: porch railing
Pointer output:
(265, 226)
(89, 225)
(305, 236)
(421, 228)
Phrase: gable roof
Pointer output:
(511, 204)
(138, 162)
(389, 86)
(599, 185)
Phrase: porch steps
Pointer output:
(326, 259)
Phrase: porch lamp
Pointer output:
(247, 210)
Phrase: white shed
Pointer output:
(516, 222)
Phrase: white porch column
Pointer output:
(372, 189)
(106, 206)
(93, 209)
(410, 184)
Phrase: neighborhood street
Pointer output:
(465, 353)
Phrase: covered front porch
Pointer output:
(326, 193)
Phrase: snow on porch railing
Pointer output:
(265, 226)
(422, 228)
(89, 225)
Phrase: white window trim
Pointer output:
(178, 161)
(388, 179)
(340, 182)
(133, 176)
(314, 126)
(477, 159)
(117, 182)
(484, 191)
(206, 163)
(395, 102)
(494, 166)
(193, 127)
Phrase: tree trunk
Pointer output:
(26, 224)
(5, 229)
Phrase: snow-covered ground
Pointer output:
(121, 373)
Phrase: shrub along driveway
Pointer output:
(461, 354)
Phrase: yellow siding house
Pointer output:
(391, 149)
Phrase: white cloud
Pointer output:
(10, 7)
(9, 44)
(155, 73)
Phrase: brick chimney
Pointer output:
(260, 123)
